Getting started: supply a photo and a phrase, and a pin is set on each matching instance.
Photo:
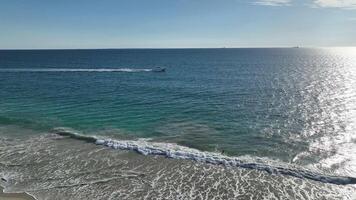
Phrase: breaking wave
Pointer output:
(74, 70)
(180, 152)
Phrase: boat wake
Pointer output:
(75, 70)
(179, 152)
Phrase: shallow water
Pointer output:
(288, 107)
(49, 166)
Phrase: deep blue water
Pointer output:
(285, 103)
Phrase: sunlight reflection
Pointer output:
(333, 87)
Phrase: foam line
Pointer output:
(179, 152)
(73, 70)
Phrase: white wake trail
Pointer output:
(74, 70)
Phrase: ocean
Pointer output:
(263, 123)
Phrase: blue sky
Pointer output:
(176, 23)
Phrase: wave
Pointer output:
(175, 151)
(74, 70)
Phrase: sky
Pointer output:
(44, 24)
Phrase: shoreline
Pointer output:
(15, 196)
(98, 172)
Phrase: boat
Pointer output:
(159, 69)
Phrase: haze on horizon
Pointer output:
(176, 23)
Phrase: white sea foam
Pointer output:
(74, 70)
(175, 151)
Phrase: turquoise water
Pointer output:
(294, 105)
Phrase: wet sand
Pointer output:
(54, 167)
(14, 196)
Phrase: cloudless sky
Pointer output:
(175, 23)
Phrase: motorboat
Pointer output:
(159, 69)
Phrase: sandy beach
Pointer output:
(58, 167)
(14, 196)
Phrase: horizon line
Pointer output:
(153, 48)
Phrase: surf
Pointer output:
(174, 151)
